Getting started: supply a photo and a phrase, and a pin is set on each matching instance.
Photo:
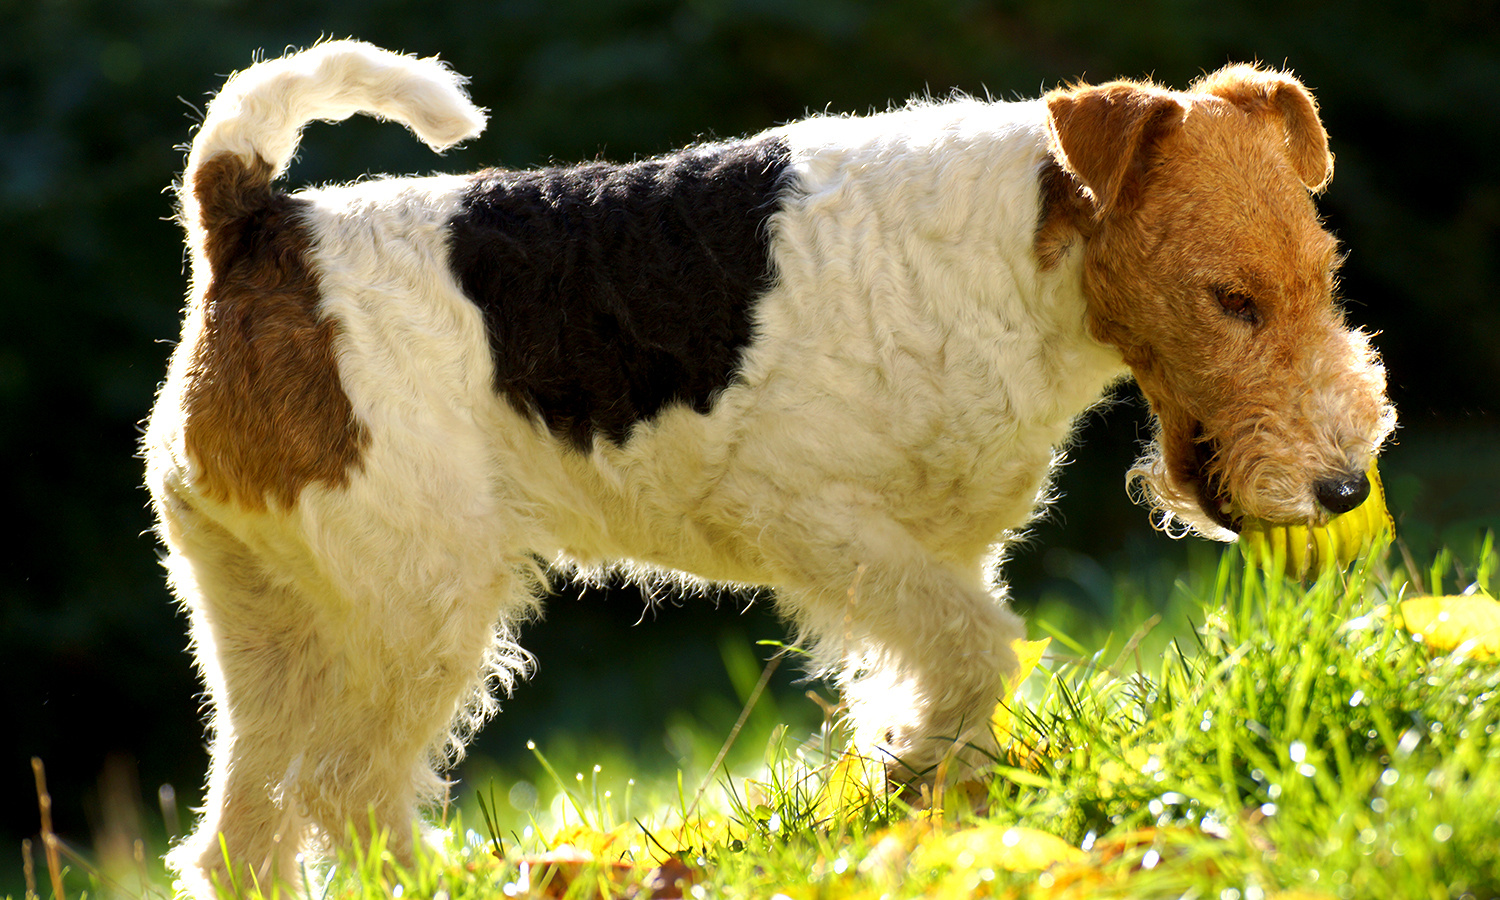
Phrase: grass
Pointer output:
(1273, 739)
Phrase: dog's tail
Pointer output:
(253, 125)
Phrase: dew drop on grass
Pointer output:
(1442, 833)
(1356, 698)
(1297, 751)
(522, 796)
(1389, 777)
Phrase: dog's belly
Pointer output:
(705, 494)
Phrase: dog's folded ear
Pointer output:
(1262, 92)
(1104, 136)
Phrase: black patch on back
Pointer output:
(610, 291)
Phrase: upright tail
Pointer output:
(254, 124)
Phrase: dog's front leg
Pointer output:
(919, 646)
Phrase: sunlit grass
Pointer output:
(1261, 737)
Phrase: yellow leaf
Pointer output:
(696, 835)
(1449, 623)
(1298, 551)
(848, 787)
(1028, 654)
(1001, 847)
(586, 840)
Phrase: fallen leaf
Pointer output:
(695, 836)
(597, 844)
(1467, 621)
(1001, 847)
(850, 787)
(669, 880)
(1116, 859)
(1028, 654)
(568, 871)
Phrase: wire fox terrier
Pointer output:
(846, 348)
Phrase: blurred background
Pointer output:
(97, 97)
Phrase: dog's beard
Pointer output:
(1182, 505)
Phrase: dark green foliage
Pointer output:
(95, 95)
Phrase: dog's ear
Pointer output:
(1260, 92)
(1104, 137)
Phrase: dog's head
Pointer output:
(1207, 266)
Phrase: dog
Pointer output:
(840, 358)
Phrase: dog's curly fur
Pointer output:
(845, 350)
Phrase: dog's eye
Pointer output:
(1238, 304)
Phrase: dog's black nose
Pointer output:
(1342, 493)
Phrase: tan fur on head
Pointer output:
(1103, 136)
(1259, 92)
(1207, 266)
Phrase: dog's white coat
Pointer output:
(912, 378)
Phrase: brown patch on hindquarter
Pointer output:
(264, 410)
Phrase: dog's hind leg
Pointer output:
(410, 689)
(253, 645)
(331, 706)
